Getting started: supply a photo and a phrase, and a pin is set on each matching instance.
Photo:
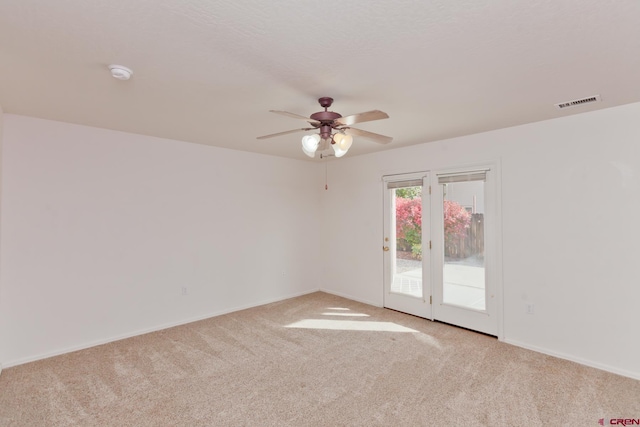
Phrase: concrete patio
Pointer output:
(463, 282)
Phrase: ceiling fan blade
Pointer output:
(376, 137)
(362, 117)
(283, 133)
(293, 115)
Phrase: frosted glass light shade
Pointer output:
(338, 151)
(341, 144)
(309, 153)
(343, 141)
(310, 144)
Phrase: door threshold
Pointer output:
(442, 323)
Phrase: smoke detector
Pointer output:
(120, 72)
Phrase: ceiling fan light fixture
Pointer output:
(333, 129)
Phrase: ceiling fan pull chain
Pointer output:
(326, 186)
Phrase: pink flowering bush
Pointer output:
(456, 223)
(456, 219)
(409, 224)
(408, 216)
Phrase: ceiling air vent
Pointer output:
(575, 102)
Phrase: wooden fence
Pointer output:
(471, 244)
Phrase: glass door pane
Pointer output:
(406, 216)
(464, 267)
(406, 247)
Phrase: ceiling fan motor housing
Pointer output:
(326, 118)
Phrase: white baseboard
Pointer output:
(590, 363)
(339, 294)
(149, 330)
(560, 355)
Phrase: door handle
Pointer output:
(385, 248)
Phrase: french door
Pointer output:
(465, 248)
(441, 246)
(406, 223)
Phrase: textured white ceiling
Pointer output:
(209, 71)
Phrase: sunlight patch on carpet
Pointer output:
(346, 314)
(350, 325)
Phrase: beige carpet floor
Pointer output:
(316, 360)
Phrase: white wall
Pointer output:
(1, 136)
(570, 240)
(101, 229)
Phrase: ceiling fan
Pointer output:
(335, 130)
